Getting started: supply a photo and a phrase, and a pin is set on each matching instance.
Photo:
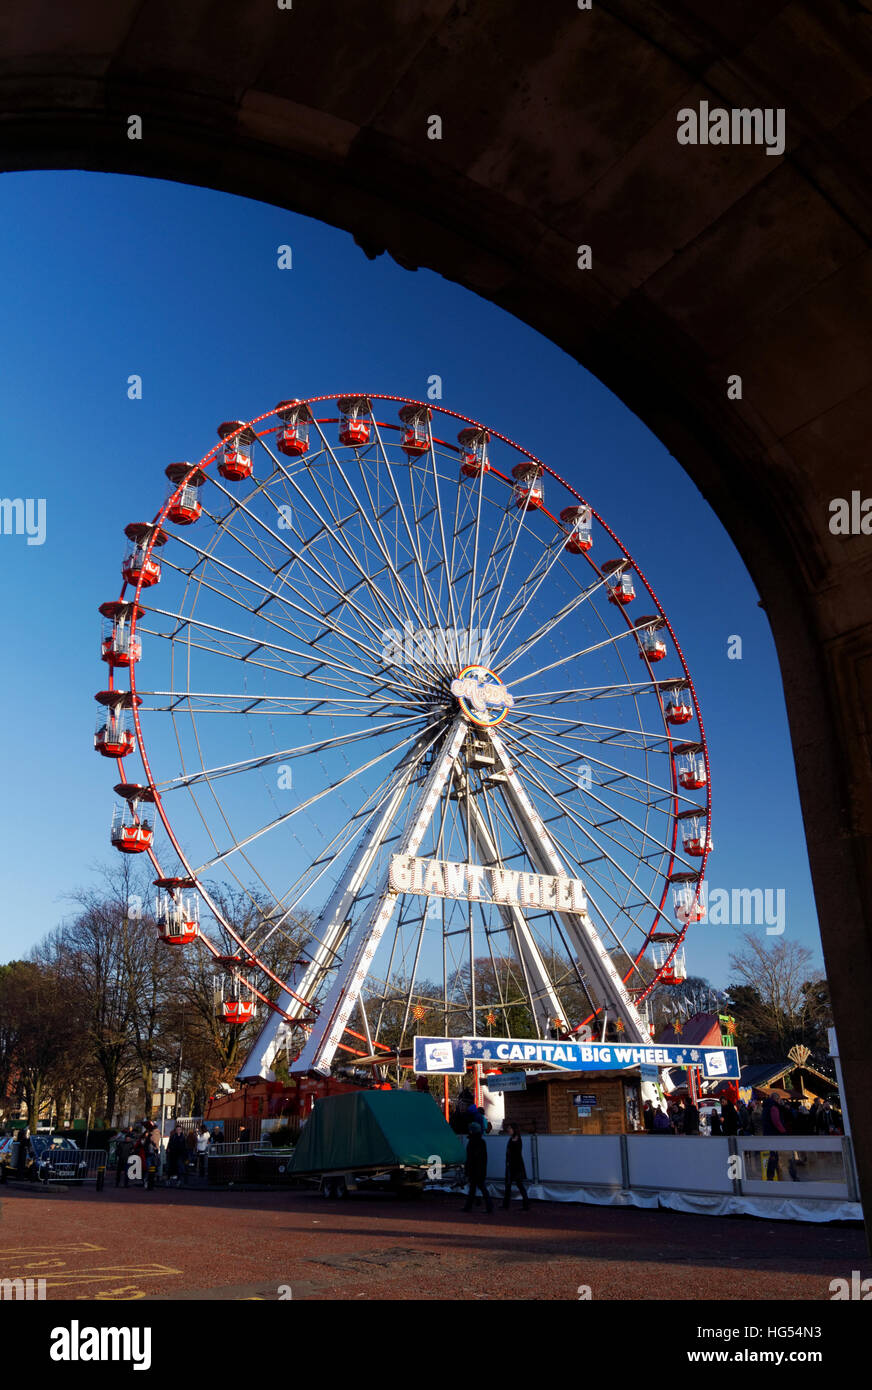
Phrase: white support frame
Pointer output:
(582, 933)
(544, 1002)
(320, 1047)
(330, 929)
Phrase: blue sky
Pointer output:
(107, 276)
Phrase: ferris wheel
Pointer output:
(395, 681)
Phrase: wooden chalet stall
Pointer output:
(577, 1102)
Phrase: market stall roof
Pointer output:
(702, 1029)
(375, 1129)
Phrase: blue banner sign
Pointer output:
(451, 1056)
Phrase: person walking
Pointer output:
(204, 1139)
(729, 1118)
(516, 1173)
(151, 1159)
(476, 1168)
(123, 1150)
(773, 1125)
(648, 1116)
(177, 1154)
(690, 1119)
(716, 1126)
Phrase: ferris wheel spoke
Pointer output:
(345, 596)
(356, 675)
(602, 734)
(374, 531)
(334, 850)
(550, 626)
(434, 613)
(305, 560)
(305, 805)
(246, 703)
(524, 599)
(342, 633)
(446, 571)
(585, 827)
(307, 608)
(358, 688)
(212, 774)
(668, 793)
(645, 835)
(610, 641)
(410, 604)
(518, 532)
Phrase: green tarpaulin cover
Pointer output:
(373, 1129)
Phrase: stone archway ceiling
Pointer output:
(559, 129)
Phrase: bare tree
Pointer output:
(782, 995)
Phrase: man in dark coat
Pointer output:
(729, 1117)
(476, 1168)
(515, 1170)
(690, 1123)
(177, 1154)
(123, 1150)
(773, 1124)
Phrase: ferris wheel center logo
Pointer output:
(482, 696)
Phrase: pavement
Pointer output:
(183, 1244)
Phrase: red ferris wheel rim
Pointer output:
(249, 427)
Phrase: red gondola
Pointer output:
(416, 435)
(651, 646)
(677, 706)
(579, 538)
(185, 507)
(132, 824)
(234, 993)
(135, 564)
(292, 439)
(685, 897)
(695, 837)
(119, 646)
(237, 1010)
(236, 462)
(675, 971)
(690, 763)
(114, 736)
(473, 443)
(354, 427)
(619, 582)
(178, 918)
(529, 489)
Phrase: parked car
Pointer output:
(47, 1159)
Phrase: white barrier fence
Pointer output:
(810, 1178)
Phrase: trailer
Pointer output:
(391, 1139)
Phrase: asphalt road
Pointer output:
(132, 1245)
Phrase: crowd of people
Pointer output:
(186, 1153)
(770, 1115)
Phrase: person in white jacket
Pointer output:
(204, 1139)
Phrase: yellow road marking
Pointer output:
(99, 1273)
(81, 1248)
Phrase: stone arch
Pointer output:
(707, 262)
